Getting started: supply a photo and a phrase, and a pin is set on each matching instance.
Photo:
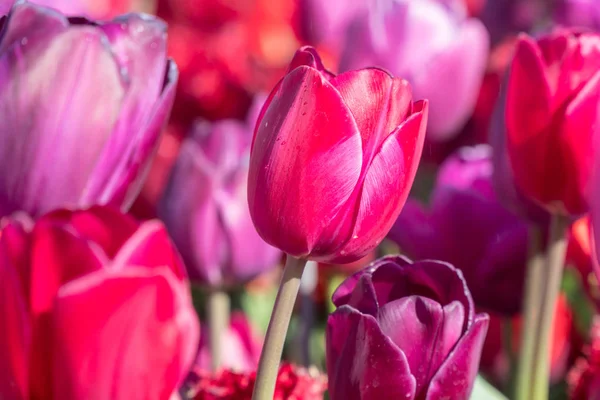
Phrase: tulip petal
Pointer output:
(455, 377)
(387, 184)
(104, 226)
(307, 146)
(390, 102)
(123, 336)
(199, 235)
(33, 23)
(49, 82)
(150, 247)
(414, 232)
(309, 57)
(128, 176)
(16, 332)
(363, 363)
(139, 45)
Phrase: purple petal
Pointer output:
(363, 363)
(455, 377)
(50, 81)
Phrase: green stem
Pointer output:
(218, 309)
(270, 357)
(534, 283)
(555, 260)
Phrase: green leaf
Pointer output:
(482, 390)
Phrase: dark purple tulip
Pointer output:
(205, 206)
(404, 331)
(82, 106)
(467, 226)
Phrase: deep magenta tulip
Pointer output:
(205, 207)
(92, 306)
(465, 209)
(404, 331)
(578, 13)
(550, 114)
(333, 159)
(82, 105)
(432, 44)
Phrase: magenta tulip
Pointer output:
(82, 105)
(431, 43)
(466, 225)
(404, 330)
(333, 160)
(205, 207)
(93, 306)
(545, 139)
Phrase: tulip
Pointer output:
(333, 159)
(327, 21)
(241, 346)
(434, 46)
(205, 207)
(404, 330)
(494, 266)
(82, 105)
(94, 306)
(578, 13)
(550, 113)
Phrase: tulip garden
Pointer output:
(300, 199)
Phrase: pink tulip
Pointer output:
(93, 305)
(333, 159)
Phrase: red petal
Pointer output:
(123, 336)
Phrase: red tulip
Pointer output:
(92, 306)
(333, 159)
(552, 96)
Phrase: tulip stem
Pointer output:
(270, 357)
(555, 260)
(218, 309)
(534, 283)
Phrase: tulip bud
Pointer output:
(495, 261)
(205, 207)
(404, 330)
(550, 114)
(333, 159)
(432, 44)
(82, 105)
(75, 284)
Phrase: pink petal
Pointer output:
(387, 184)
(150, 247)
(306, 161)
(122, 336)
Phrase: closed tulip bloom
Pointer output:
(82, 105)
(93, 305)
(550, 114)
(205, 207)
(404, 330)
(431, 43)
(465, 209)
(333, 159)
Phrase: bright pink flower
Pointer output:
(550, 115)
(584, 377)
(92, 305)
(333, 159)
